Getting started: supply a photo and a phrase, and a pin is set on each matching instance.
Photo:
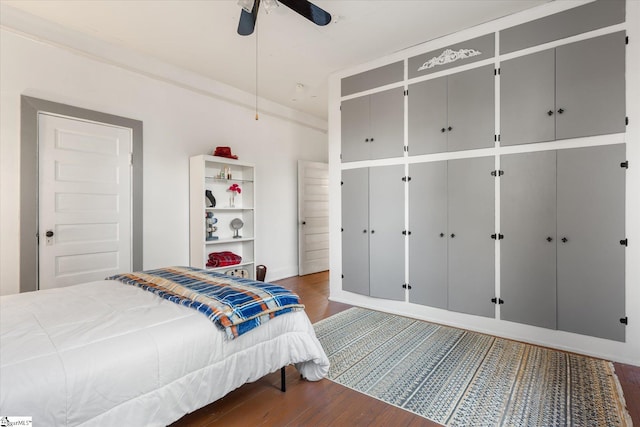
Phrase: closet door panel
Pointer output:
(590, 82)
(528, 250)
(355, 231)
(428, 117)
(471, 109)
(386, 247)
(471, 250)
(527, 96)
(591, 206)
(355, 129)
(387, 124)
(428, 240)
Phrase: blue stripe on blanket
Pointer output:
(235, 304)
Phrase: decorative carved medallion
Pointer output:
(449, 56)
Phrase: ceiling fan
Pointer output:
(303, 7)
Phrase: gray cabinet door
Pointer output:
(355, 129)
(428, 240)
(591, 206)
(386, 138)
(528, 250)
(355, 230)
(428, 117)
(590, 81)
(386, 241)
(471, 109)
(527, 99)
(471, 216)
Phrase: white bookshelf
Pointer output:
(205, 173)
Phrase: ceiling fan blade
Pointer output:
(309, 10)
(248, 20)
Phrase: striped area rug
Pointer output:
(461, 378)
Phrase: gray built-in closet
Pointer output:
(561, 235)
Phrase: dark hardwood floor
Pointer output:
(325, 403)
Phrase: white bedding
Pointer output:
(104, 353)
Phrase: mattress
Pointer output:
(103, 352)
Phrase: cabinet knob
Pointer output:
(450, 128)
(364, 231)
(373, 231)
(564, 240)
(443, 130)
(441, 234)
(560, 111)
(453, 235)
(549, 239)
(366, 140)
(370, 139)
(550, 113)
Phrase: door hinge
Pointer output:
(497, 300)
(342, 276)
(625, 164)
(626, 121)
(406, 286)
(406, 92)
(131, 159)
(406, 233)
(342, 230)
(496, 137)
(406, 178)
(496, 71)
(626, 40)
(624, 320)
(497, 173)
(406, 148)
(497, 236)
(624, 242)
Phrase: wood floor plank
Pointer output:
(325, 403)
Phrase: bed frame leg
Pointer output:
(283, 381)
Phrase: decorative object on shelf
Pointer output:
(224, 152)
(209, 195)
(235, 188)
(236, 224)
(223, 259)
(238, 272)
(449, 56)
(211, 228)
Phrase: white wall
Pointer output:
(628, 352)
(179, 121)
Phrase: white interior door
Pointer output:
(84, 207)
(313, 217)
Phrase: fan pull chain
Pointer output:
(256, 28)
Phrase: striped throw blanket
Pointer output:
(234, 304)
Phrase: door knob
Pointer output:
(549, 239)
(49, 233)
(564, 240)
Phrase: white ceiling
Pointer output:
(200, 36)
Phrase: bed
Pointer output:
(103, 352)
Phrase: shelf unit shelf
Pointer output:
(204, 174)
